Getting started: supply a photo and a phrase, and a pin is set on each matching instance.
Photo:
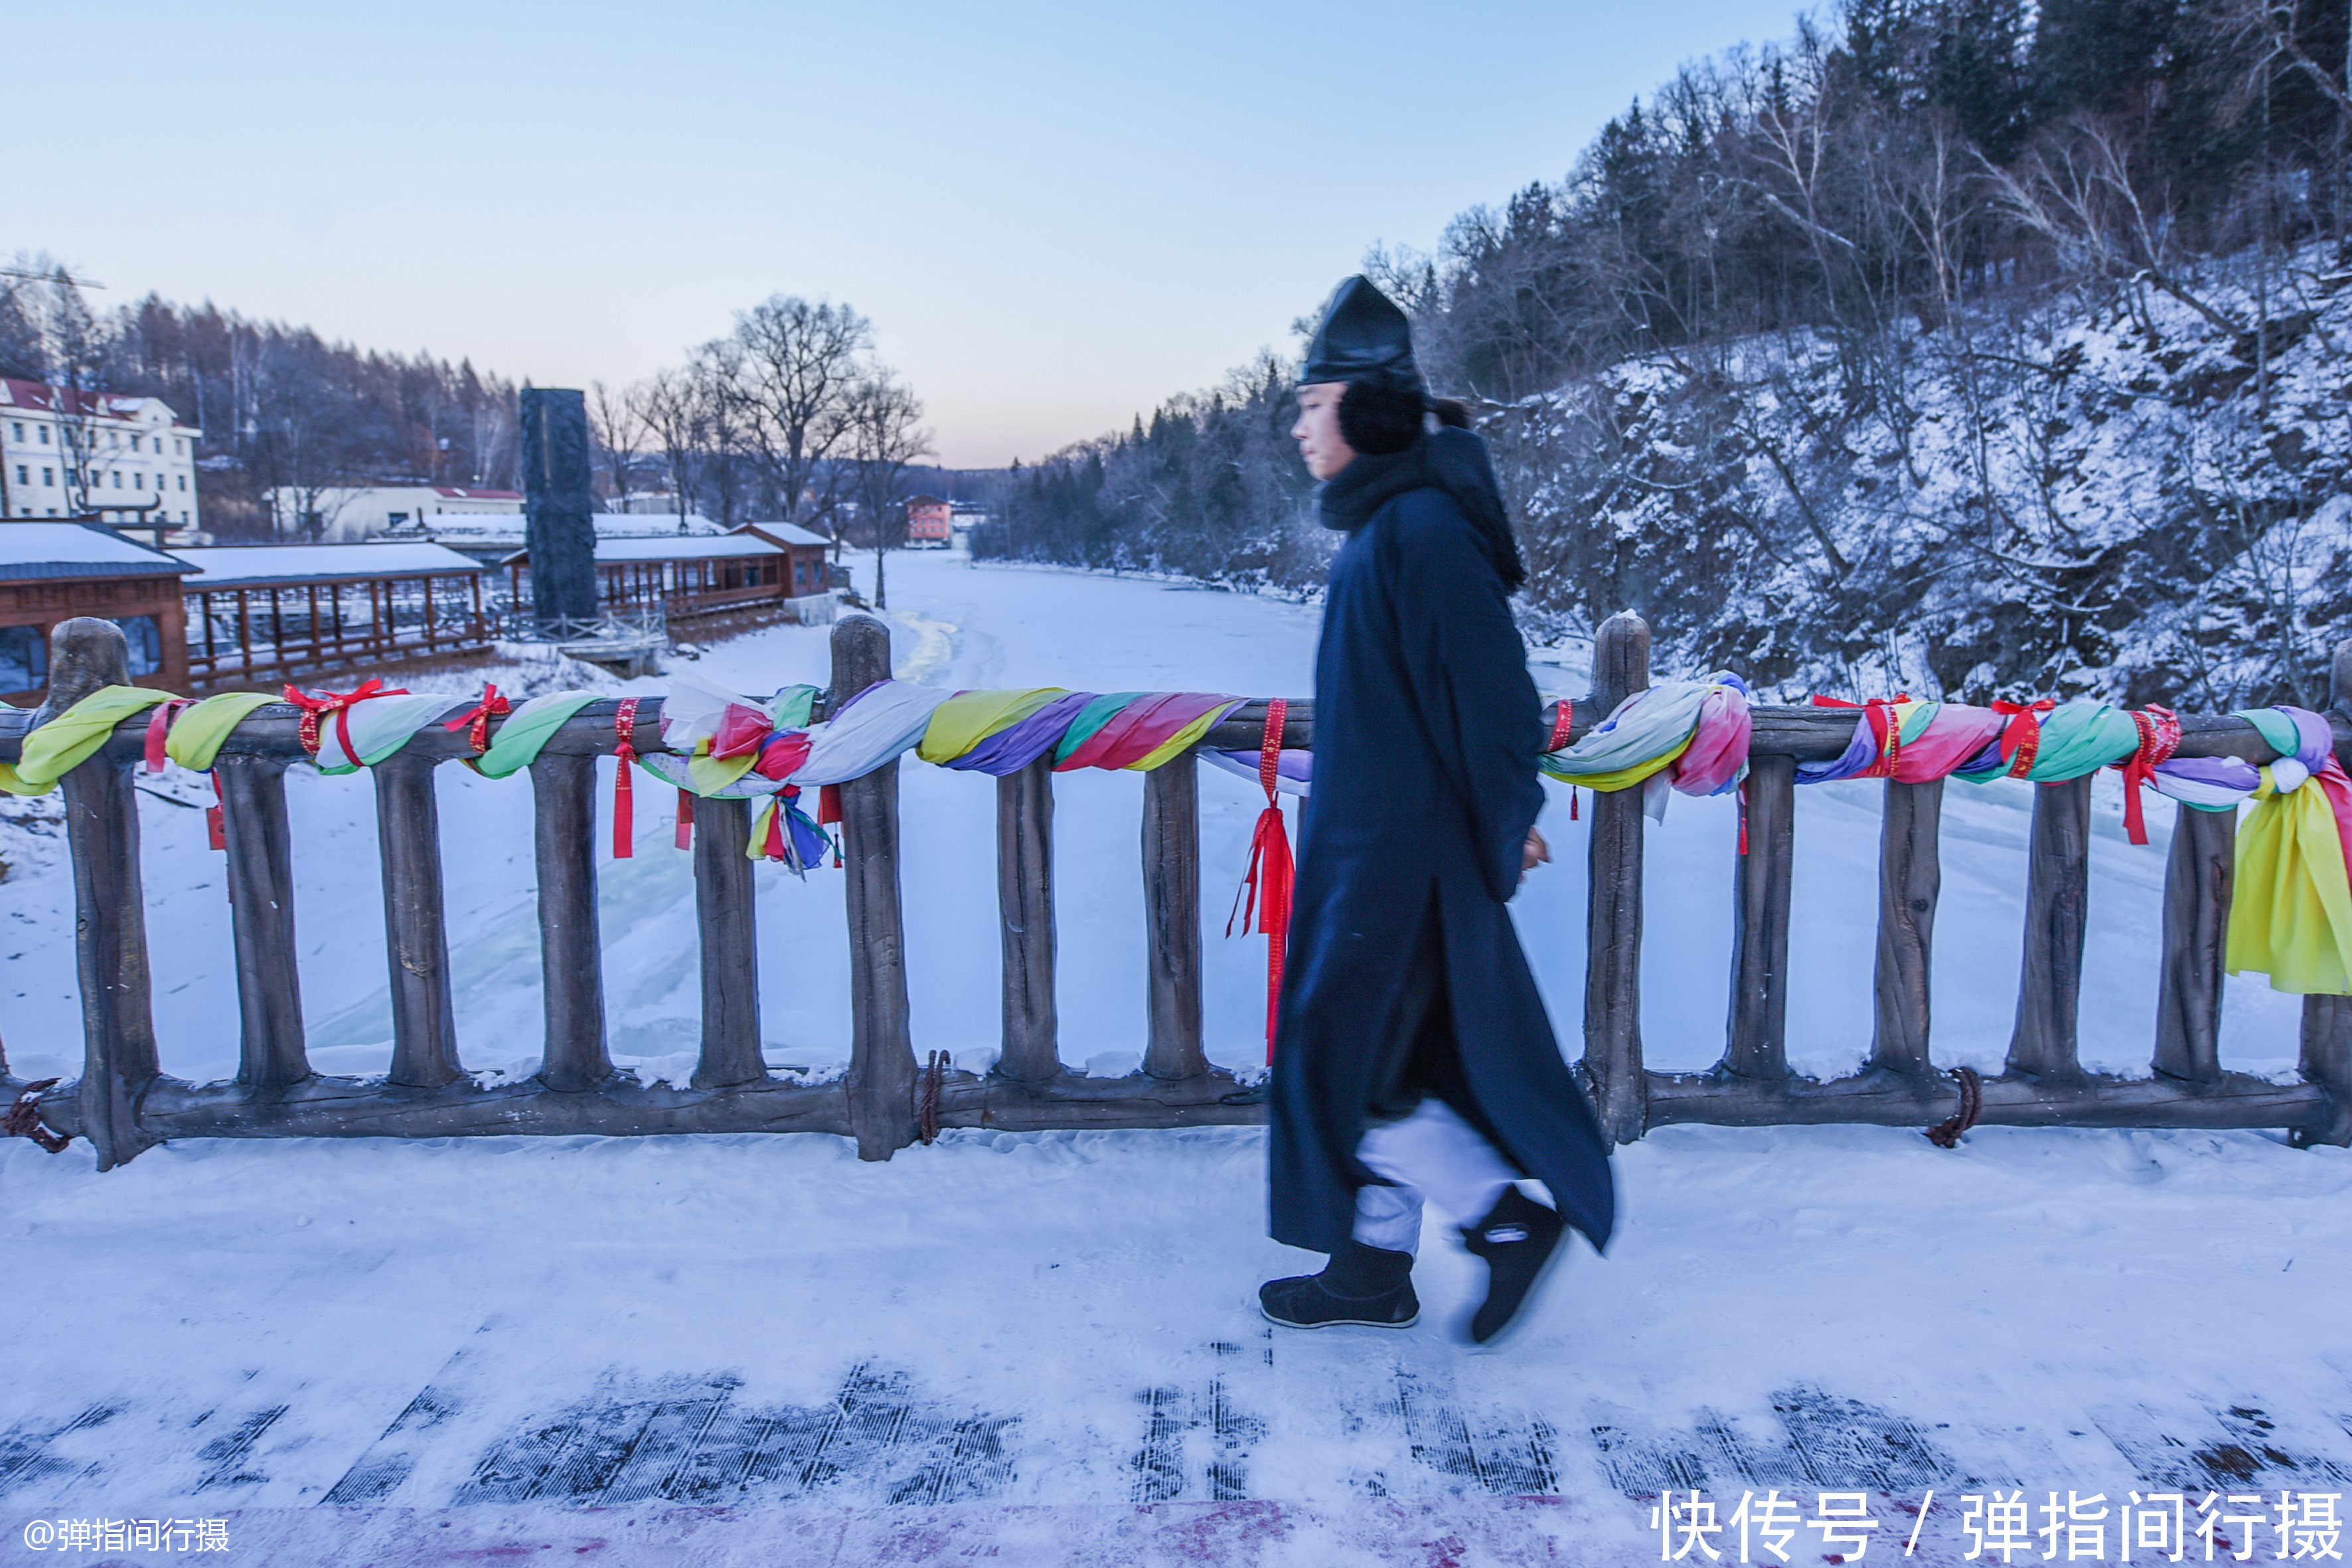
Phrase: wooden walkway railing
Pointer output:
(124, 1104)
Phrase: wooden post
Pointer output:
(1756, 1040)
(563, 805)
(1910, 878)
(2197, 884)
(723, 892)
(119, 1059)
(2057, 902)
(1024, 901)
(1613, 972)
(881, 1083)
(262, 918)
(415, 937)
(2328, 1020)
(1171, 919)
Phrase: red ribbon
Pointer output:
(624, 819)
(476, 720)
(2159, 737)
(1886, 728)
(685, 820)
(1268, 883)
(1563, 718)
(828, 811)
(337, 703)
(775, 847)
(2023, 738)
(159, 727)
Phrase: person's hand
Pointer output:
(1538, 853)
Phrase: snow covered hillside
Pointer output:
(2116, 493)
(1067, 1319)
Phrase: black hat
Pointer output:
(1363, 333)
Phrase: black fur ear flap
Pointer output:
(1382, 414)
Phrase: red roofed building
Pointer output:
(80, 453)
(930, 522)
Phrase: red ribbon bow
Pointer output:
(337, 703)
(1268, 885)
(2159, 737)
(625, 816)
(2023, 738)
(476, 720)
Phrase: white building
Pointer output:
(125, 459)
(349, 514)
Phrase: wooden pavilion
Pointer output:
(264, 612)
(758, 567)
(53, 570)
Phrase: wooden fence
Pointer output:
(124, 1104)
(273, 630)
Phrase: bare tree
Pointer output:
(2079, 193)
(300, 436)
(883, 436)
(69, 345)
(618, 433)
(787, 373)
(667, 407)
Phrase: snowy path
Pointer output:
(1064, 1323)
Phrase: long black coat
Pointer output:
(1426, 733)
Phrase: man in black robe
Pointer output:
(1412, 1056)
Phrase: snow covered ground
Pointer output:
(494, 1327)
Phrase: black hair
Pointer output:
(1383, 413)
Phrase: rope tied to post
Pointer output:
(1946, 1135)
(1268, 883)
(2159, 737)
(23, 1118)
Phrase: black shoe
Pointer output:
(1517, 1238)
(1368, 1286)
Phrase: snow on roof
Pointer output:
(673, 547)
(245, 565)
(76, 550)
(86, 403)
(790, 533)
(497, 525)
(459, 493)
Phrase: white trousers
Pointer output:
(1434, 1155)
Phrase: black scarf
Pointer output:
(1447, 459)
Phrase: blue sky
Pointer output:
(1056, 214)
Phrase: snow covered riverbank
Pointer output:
(1067, 1318)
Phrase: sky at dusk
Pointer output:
(1056, 214)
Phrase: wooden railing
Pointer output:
(272, 631)
(123, 1103)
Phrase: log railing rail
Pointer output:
(123, 1103)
